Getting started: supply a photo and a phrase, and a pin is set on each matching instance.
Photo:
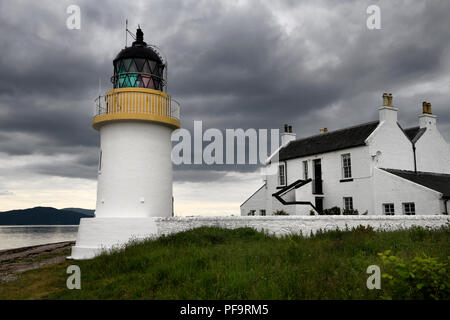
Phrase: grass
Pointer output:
(214, 263)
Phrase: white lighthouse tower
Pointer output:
(135, 120)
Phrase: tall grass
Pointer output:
(214, 263)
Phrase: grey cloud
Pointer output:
(230, 66)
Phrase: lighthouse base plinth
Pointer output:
(98, 235)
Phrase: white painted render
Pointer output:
(386, 147)
(99, 234)
(389, 188)
(389, 146)
(257, 200)
(135, 174)
(287, 137)
(432, 151)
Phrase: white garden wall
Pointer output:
(98, 234)
(284, 225)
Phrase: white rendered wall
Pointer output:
(432, 151)
(256, 202)
(97, 235)
(286, 225)
(393, 147)
(360, 189)
(389, 188)
(368, 192)
(135, 179)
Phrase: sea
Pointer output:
(12, 237)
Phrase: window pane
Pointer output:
(126, 64)
(152, 66)
(305, 170)
(281, 174)
(388, 208)
(132, 67)
(346, 166)
(139, 64)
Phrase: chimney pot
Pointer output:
(429, 108)
(290, 129)
(285, 128)
(321, 130)
(385, 99)
(424, 107)
(389, 100)
(325, 130)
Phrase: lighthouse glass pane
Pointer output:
(132, 67)
(152, 65)
(133, 80)
(123, 80)
(119, 67)
(146, 68)
(126, 65)
(139, 64)
(147, 82)
(157, 83)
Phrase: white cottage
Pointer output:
(375, 168)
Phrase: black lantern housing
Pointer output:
(139, 66)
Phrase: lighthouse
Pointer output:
(135, 120)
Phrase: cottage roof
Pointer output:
(337, 140)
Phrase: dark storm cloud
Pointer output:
(232, 66)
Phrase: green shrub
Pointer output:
(350, 212)
(332, 211)
(423, 277)
(280, 213)
(363, 230)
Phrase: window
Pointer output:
(388, 209)
(409, 208)
(100, 161)
(348, 203)
(346, 166)
(252, 212)
(281, 175)
(305, 170)
(262, 212)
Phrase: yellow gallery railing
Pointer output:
(138, 104)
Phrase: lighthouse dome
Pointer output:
(139, 66)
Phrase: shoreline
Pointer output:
(18, 260)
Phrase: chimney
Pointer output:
(389, 100)
(287, 136)
(427, 119)
(388, 113)
(385, 99)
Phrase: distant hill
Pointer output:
(45, 216)
(89, 212)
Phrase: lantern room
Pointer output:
(139, 66)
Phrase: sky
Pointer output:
(232, 64)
